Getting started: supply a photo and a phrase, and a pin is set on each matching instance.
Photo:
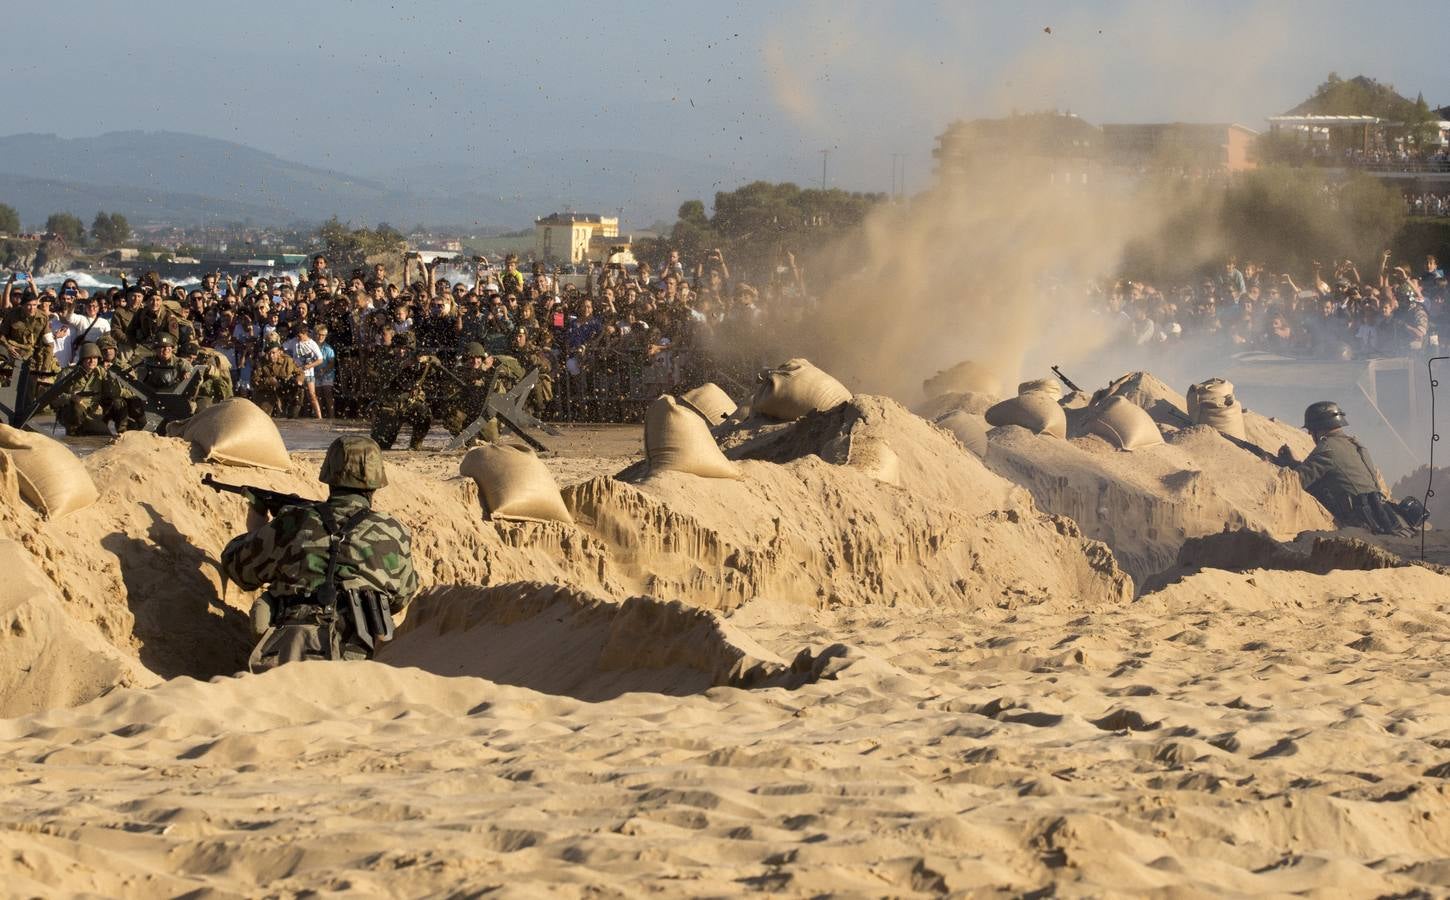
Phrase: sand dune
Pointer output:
(872, 666)
(1267, 732)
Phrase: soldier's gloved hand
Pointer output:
(1285, 456)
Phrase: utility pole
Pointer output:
(825, 155)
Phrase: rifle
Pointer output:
(263, 499)
(1065, 380)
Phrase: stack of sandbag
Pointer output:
(795, 389)
(234, 432)
(1048, 386)
(51, 477)
(712, 403)
(1212, 402)
(968, 428)
(1035, 410)
(1123, 423)
(678, 440)
(514, 483)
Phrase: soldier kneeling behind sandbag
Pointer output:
(336, 571)
(1341, 475)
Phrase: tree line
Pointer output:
(107, 229)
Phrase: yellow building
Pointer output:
(570, 237)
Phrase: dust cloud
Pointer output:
(992, 264)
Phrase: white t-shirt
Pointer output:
(69, 344)
(304, 353)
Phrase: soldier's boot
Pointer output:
(68, 414)
(135, 415)
(385, 428)
(421, 426)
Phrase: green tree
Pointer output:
(110, 229)
(71, 229)
(9, 220)
(348, 248)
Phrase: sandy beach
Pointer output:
(806, 681)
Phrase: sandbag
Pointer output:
(1213, 403)
(1075, 400)
(1046, 385)
(969, 429)
(1037, 411)
(710, 402)
(514, 484)
(52, 478)
(678, 440)
(1124, 424)
(964, 377)
(796, 388)
(234, 432)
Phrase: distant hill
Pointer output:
(184, 178)
(36, 198)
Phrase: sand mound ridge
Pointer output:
(1145, 504)
(1260, 733)
(140, 566)
(561, 641)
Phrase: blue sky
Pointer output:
(758, 87)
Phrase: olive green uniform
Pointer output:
(275, 384)
(93, 402)
(215, 385)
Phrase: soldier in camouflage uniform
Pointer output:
(402, 394)
(95, 400)
(276, 382)
(336, 571)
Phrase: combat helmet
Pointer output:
(474, 350)
(90, 350)
(353, 462)
(164, 340)
(1324, 416)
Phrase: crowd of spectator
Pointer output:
(1427, 203)
(605, 344)
(1396, 310)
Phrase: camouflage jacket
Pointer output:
(289, 554)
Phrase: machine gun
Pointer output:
(163, 406)
(1067, 382)
(262, 498)
(509, 409)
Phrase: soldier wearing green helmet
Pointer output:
(476, 376)
(335, 571)
(95, 400)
